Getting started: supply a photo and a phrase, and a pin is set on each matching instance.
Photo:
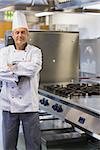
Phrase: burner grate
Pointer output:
(73, 89)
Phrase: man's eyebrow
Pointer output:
(20, 31)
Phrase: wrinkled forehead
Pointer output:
(20, 30)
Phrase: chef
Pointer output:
(19, 72)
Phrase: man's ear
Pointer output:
(12, 35)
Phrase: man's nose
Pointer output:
(20, 34)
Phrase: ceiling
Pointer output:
(53, 5)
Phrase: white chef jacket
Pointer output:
(21, 97)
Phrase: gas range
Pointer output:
(77, 103)
(73, 89)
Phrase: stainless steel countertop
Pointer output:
(91, 103)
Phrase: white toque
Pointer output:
(19, 20)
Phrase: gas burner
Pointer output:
(74, 89)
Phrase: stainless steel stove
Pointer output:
(78, 104)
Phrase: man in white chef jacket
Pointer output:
(19, 72)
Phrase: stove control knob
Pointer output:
(46, 103)
(42, 100)
(59, 108)
(54, 107)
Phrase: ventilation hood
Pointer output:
(14, 2)
(67, 4)
(27, 2)
(6, 3)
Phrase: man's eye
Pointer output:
(23, 32)
(17, 32)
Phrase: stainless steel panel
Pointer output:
(60, 55)
(84, 120)
(49, 108)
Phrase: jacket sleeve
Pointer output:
(5, 74)
(8, 76)
(31, 67)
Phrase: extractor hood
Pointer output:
(67, 4)
(14, 2)
(26, 2)
(5, 3)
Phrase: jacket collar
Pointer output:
(23, 48)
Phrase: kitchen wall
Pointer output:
(87, 24)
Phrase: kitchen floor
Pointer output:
(21, 145)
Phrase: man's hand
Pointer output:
(10, 67)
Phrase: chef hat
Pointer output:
(19, 20)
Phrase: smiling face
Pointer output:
(20, 36)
